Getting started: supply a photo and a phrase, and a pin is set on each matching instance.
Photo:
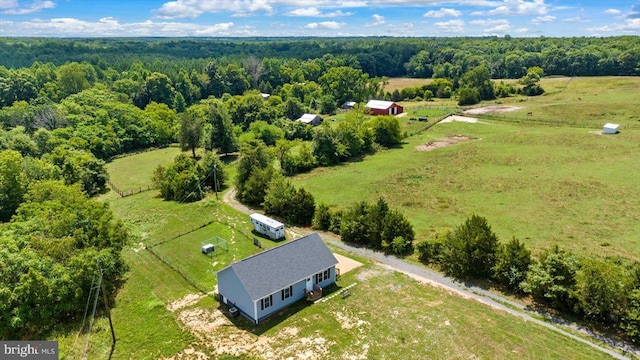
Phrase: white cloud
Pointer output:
(329, 25)
(543, 19)
(489, 22)
(352, 4)
(442, 13)
(522, 30)
(314, 12)
(451, 26)
(13, 8)
(577, 19)
(377, 20)
(500, 29)
(630, 25)
(517, 7)
(195, 8)
(613, 12)
(110, 27)
(8, 4)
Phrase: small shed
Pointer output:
(380, 107)
(610, 128)
(349, 105)
(267, 226)
(265, 96)
(207, 248)
(311, 119)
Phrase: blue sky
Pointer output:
(518, 18)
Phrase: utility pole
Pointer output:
(215, 179)
(106, 306)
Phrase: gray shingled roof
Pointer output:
(274, 269)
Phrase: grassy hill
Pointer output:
(545, 184)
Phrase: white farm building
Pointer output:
(610, 128)
(267, 226)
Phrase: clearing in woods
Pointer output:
(158, 314)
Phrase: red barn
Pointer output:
(379, 107)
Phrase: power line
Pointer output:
(93, 314)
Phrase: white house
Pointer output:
(610, 128)
(310, 119)
(267, 226)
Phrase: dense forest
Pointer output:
(420, 57)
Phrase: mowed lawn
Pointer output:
(545, 185)
(387, 316)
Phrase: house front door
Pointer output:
(310, 284)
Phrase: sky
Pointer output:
(326, 18)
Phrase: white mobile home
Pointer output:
(267, 226)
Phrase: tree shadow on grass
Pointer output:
(229, 158)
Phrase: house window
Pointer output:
(266, 302)
(320, 277)
(287, 292)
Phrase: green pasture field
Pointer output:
(401, 83)
(135, 171)
(545, 185)
(587, 102)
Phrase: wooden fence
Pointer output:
(125, 193)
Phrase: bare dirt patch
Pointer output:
(348, 322)
(447, 141)
(402, 115)
(491, 109)
(185, 301)
(218, 336)
(458, 118)
(346, 264)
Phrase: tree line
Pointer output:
(506, 57)
(604, 291)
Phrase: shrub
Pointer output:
(377, 227)
(631, 320)
(512, 263)
(429, 251)
(468, 96)
(553, 280)
(470, 250)
(321, 218)
(180, 180)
